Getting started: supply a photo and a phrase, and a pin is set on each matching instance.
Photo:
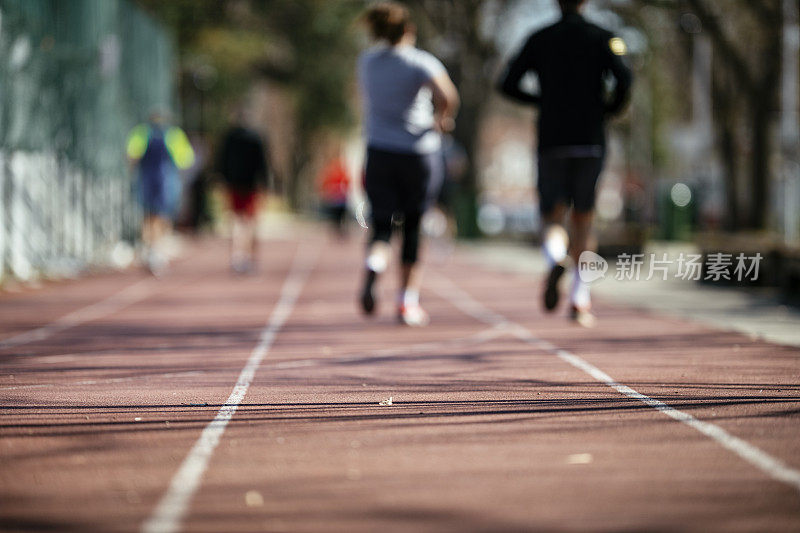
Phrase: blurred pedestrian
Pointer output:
(158, 151)
(408, 99)
(197, 213)
(334, 185)
(243, 166)
(571, 59)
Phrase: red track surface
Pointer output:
(490, 428)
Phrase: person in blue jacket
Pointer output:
(158, 151)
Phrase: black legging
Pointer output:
(401, 183)
(382, 231)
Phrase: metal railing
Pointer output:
(75, 77)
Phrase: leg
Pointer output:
(579, 297)
(235, 248)
(553, 205)
(417, 188)
(410, 312)
(377, 260)
(379, 185)
(585, 173)
(580, 234)
(555, 240)
(147, 231)
(410, 277)
(157, 260)
(252, 228)
(161, 225)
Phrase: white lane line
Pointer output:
(117, 301)
(772, 466)
(170, 511)
(107, 380)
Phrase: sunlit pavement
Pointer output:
(756, 312)
(209, 402)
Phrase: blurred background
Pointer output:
(707, 156)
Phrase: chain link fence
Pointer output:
(75, 77)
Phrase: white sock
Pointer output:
(579, 293)
(554, 248)
(408, 298)
(377, 262)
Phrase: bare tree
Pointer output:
(746, 37)
(457, 31)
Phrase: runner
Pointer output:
(408, 100)
(571, 59)
(158, 151)
(334, 185)
(243, 165)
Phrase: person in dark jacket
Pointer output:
(572, 60)
(243, 166)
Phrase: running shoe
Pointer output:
(582, 317)
(157, 264)
(368, 293)
(551, 294)
(413, 315)
(242, 267)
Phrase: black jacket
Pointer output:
(242, 160)
(572, 59)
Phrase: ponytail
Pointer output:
(388, 20)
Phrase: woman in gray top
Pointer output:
(408, 100)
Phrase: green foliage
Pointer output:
(321, 35)
(308, 45)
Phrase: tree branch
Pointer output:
(728, 51)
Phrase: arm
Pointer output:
(508, 84)
(622, 77)
(179, 148)
(445, 101)
(137, 143)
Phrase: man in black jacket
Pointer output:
(572, 60)
(242, 162)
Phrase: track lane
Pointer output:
(98, 455)
(481, 436)
(487, 432)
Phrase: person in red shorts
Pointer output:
(334, 185)
(243, 166)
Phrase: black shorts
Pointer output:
(401, 183)
(570, 181)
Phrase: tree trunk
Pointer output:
(759, 169)
(725, 125)
(763, 102)
(466, 206)
(294, 182)
(728, 149)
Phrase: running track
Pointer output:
(202, 402)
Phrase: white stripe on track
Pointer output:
(117, 301)
(773, 467)
(170, 511)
